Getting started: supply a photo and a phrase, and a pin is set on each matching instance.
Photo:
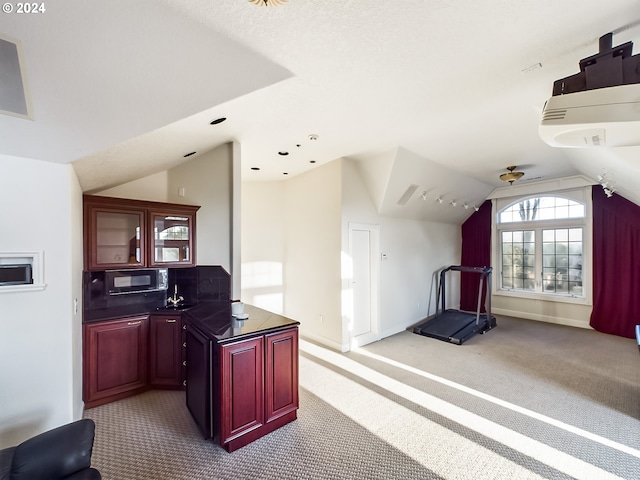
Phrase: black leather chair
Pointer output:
(61, 453)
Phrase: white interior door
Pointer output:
(364, 283)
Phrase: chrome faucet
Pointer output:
(175, 300)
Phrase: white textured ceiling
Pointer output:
(124, 89)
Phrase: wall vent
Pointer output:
(407, 194)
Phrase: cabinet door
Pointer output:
(281, 373)
(165, 351)
(114, 237)
(242, 388)
(198, 379)
(172, 235)
(115, 359)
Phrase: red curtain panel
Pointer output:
(616, 264)
(476, 252)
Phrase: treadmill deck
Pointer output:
(454, 326)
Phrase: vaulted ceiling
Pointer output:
(442, 95)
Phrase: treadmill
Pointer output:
(455, 326)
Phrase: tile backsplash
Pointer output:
(205, 283)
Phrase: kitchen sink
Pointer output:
(176, 307)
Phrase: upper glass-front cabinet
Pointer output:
(118, 239)
(121, 233)
(172, 239)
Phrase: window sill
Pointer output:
(546, 297)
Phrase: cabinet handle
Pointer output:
(184, 363)
(184, 383)
(135, 323)
(171, 320)
(184, 327)
(184, 344)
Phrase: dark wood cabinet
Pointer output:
(241, 377)
(115, 359)
(172, 243)
(115, 236)
(123, 233)
(281, 374)
(239, 391)
(198, 379)
(165, 351)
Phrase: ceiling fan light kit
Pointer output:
(511, 176)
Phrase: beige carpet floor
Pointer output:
(526, 400)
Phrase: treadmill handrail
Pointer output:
(460, 268)
(485, 272)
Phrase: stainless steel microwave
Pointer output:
(121, 282)
(16, 274)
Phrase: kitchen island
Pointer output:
(241, 374)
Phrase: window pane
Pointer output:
(529, 248)
(518, 260)
(575, 234)
(528, 261)
(562, 261)
(576, 211)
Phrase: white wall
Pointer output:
(76, 248)
(312, 276)
(415, 250)
(291, 250)
(40, 339)
(207, 181)
(263, 245)
(295, 233)
(153, 188)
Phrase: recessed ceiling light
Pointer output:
(285, 173)
(283, 153)
(217, 121)
(313, 137)
(189, 154)
(255, 168)
(312, 161)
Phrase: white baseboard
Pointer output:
(324, 341)
(570, 322)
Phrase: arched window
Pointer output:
(541, 208)
(541, 246)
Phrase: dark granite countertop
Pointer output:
(115, 313)
(214, 319)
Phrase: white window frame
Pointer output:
(581, 195)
